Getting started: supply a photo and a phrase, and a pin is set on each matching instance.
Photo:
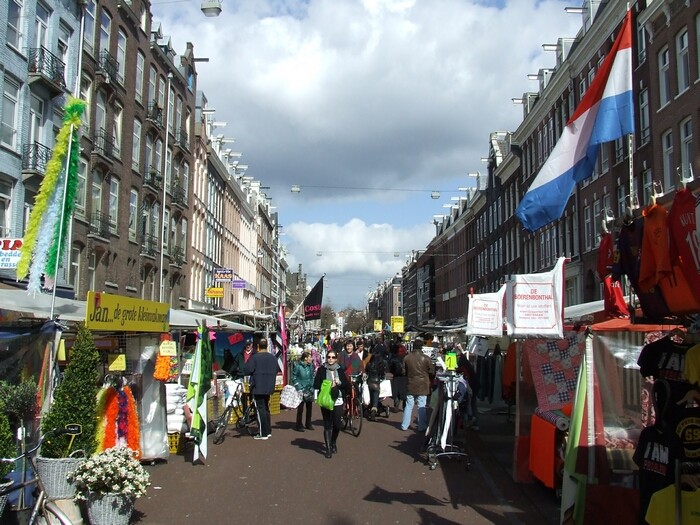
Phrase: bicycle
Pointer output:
(44, 510)
(353, 408)
(241, 407)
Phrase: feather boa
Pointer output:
(41, 229)
(118, 420)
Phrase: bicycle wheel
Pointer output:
(251, 421)
(356, 417)
(221, 425)
(50, 514)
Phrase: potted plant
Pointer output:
(8, 449)
(74, 402)
(110, 481)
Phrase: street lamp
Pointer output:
(211, 8)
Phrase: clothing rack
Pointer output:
(440, 431)
(683, 468)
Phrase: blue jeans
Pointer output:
(408, 412)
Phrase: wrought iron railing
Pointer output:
(155, 113)
(110, 66)
(182, 139)
(177, 255)
(149, 245)
(153, 178)
(179, 195)
(45, 63)
(99, 224)
(104, 144)
(35, 156)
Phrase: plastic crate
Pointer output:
(275, 402)
(175, 442)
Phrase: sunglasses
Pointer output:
(331, 357)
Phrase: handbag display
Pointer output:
(290, 397)
(324, 399)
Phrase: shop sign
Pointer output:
(168, 348)
(110, 312)
(223, 275)
(485, 314)
(377, 325)
(116, 362)
(10, 253)
(239, 283)
(397, 324)
(214, 292)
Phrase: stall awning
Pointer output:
(39, 305)
(188, 319)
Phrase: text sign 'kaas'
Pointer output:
(109, 312)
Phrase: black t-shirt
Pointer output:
(665, 359)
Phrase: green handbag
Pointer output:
(324, 399)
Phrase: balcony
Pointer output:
(35, 157)
(149, 245)
(182, 139)
(179, 196)
(155, 114)
(47, 69)
(104, 149)
(99, 226)
(108, 69)
(177, 256)
(153, 179)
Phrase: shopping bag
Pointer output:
(365, 394)
(324, 399)
(290, 397)
(385, 388)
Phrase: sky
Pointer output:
(368, 106)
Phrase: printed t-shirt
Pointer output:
(662, 507)
(665, 359)
(685, 242)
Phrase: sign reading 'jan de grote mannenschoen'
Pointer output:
(110, 312)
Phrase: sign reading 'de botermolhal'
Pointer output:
(534, 304)
(118, 313)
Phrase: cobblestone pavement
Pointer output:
(380, 477)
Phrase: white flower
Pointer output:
(113, 470)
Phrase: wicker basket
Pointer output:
(3, 499)
(53, 473)
(175, 442)
(109, 509)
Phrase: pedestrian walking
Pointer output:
(303, 381)
(399, 381)
(262, 367)
(420, 372)
(340, 387)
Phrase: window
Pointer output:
(177, 125)
(86, 95)
(682, 61)
(5, 201)
(10, 106)
(597, 218)
(136, 146)
(152, 75)
(121, 55)
(140, 69)
(42, 25)
(644, 122)
(14, 29)
(588, 225)
(117, 130)
(158, 156)
(604, 157)
(168, 168)
(96, 196)
(81, 189)
(686, 146)
(647, 184)
(92, 263)
(89, 21)
(667, 158)
(620, 193)
(113, 204)
(641, 44)
(74, 277)
(105, 30)
(100, 111)
(664, 77)
(161, 92)
(171, 110)
(133, 213)
(185, 182)
(63, 42)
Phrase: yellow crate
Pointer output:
(175, 442)
(275, 402)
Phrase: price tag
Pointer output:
(451, 361)
(117, 362)
(168, 348)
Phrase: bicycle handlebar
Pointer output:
(72, 430)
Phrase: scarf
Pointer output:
(332, 371)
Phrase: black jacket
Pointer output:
(263, 368)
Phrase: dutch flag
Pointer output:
(605, 113)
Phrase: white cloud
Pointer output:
(375, 94)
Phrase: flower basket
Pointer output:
(109, 509)
(54, 472)
(3, 499)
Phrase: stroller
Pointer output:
(376, 370)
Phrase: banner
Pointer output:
(397, 324)
(377, 325)
(485, 314)
(313, 301)
(534, 304)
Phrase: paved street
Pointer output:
(376, 478)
